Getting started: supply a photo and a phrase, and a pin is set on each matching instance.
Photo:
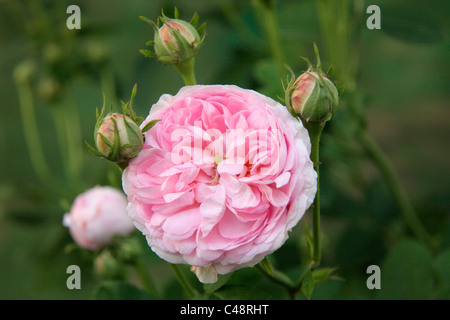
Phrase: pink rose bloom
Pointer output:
(221, 179)
(96, 216)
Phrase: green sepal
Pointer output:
(148, 53)
(194, 20)
(201, 32)
(99, 117)
(267, 266)
(309, 241)
(150, 22)
(324, 274)
(176, 14)
(127, 108)
(308, 284)
(116, 150)
(341, 90)
(149, 125)
(92, 150)
(105, 140)
(132, 134)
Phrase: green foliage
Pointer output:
(414, 22)
(407, 272)
(442, 276)
(119, 291)
(400, 97)
(241, 292)
(308, 284)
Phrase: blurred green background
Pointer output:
(402, 78)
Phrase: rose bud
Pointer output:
(96, 216)
(313, 97)
(176, 41)
(118, 138)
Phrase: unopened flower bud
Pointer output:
(97, 216)
(118, 138)
(96, 52)
(313, 97)
(24, 71)
(176, 41)
(53, 53)
(108, 267)
(49, 89)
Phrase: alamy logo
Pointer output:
(74, 21)
(374, 281)
(374, 21)
(74, 280)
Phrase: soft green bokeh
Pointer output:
(403, 77)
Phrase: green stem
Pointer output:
(74, 138)
(232, 14)
(67, 125)
(186, 69)
(31, 132)
(283, 280)
(271, 25)
(344, 55)
(315, 130)
(393, 182)
(190, 292)
(278, 278)
(107, 83)
(146, 281)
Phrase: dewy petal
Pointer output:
(205, 274)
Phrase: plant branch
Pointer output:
(34, 145)
(393, 182)
(190, 292)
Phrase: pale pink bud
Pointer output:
(313, 97)
(176, 41)
(118, 138)
(96, 216)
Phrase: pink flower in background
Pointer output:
(96, 216)
(221, 179)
